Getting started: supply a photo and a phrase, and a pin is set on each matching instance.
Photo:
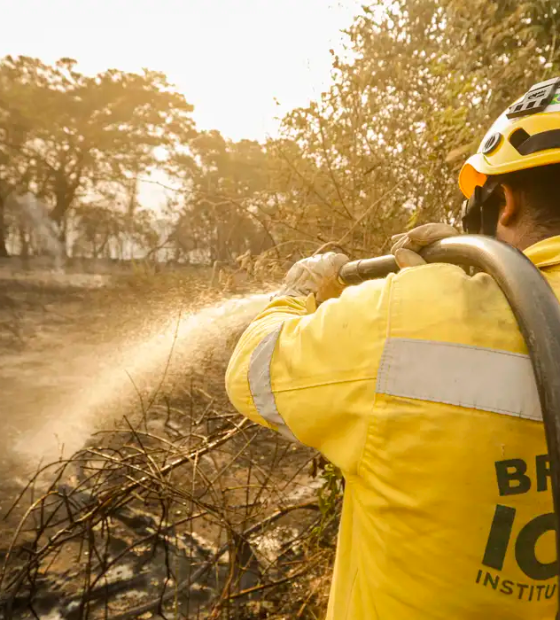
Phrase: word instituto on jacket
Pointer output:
(513, 479)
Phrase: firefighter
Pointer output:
(419, 388)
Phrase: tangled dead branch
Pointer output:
(211, 517)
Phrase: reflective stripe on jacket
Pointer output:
(419, 388)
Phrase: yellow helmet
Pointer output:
(526, 135)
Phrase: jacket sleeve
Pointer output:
(310, 373)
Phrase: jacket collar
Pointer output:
(545, 253)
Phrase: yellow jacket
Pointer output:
(419, 388)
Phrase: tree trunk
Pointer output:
(64, 196)
(3, 229)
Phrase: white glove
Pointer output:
(406, 245)
(318, 275)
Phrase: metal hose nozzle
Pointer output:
(368, 269)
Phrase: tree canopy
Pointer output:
(412, 93)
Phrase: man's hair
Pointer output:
(539, 192)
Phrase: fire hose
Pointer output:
(536, 310)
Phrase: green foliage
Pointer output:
(331, 490)
(329, 497)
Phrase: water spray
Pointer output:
(106, 381)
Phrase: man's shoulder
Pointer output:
(436, 285)
(439, 280)
(443, 302)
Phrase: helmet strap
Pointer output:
(481, 211)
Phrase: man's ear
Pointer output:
(511, 209)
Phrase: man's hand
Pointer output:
(407, 245)
(317, 275)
